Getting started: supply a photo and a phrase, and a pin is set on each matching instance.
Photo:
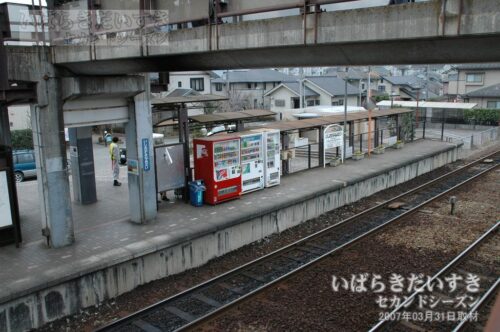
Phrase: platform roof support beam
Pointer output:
(141, 181)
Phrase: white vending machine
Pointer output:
(272, 161)
(252, 161)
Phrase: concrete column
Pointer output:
(82, 165)
(141, 184)
(50, 151)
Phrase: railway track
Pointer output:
(205, 301)
(448, 313)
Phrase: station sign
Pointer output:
(146, 156)
(333, 137)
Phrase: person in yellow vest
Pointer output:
(114, 153)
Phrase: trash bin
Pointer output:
(196, 189)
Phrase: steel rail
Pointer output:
(491, 291)
(382, 323)
(219, 311)
(290, 247)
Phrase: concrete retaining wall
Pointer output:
(68, 298)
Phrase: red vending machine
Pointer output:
(217, 163)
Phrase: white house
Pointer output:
(250, 86)
(198, 81)
(318, 90)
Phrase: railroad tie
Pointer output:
(145, 326)
(181, 314)
(207, 300)
(238, 291)
(253, 276)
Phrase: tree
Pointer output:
(236, 102)
(22, 139)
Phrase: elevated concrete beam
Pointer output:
(24, 63)
(422, 51)
(18, 96)
(111, 87)
(414, 33)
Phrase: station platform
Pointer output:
(112, 255)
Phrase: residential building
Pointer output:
(247, 88)
(198, 81)
(475, 83)
(411, 87)
(287, 96)
(359, 77)
(487, 97)
(317, 91)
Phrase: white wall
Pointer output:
(490, 77)
(185, 79)
(284, 94)
(351, 100)
(19, 117)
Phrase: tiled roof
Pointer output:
(182, 93)
(412, 81)
(255, 76)
(478, 66)
(333, 85)
(489, 91)
(294, 86)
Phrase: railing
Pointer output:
(469, 141)
(309, 156)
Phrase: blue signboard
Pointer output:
(146, 160)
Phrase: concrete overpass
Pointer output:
(451, 31)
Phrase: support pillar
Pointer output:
(142, 183)
(351, 135)
(82, 165)
(50, 151)
(321, 147)
(184, 139)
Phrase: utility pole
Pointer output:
(227, 83)
(301, 88)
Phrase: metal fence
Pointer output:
(309, 156)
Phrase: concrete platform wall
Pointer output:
(69, 297)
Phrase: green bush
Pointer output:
(381, 97)
(22, 139)
(482, 116)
